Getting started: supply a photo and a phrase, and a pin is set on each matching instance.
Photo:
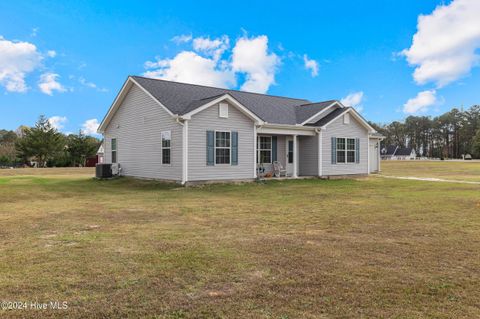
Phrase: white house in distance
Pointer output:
(101, 153)
(191, 133)
(393, 152)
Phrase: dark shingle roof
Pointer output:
(330, 116)
(181, 98)
(404, 151)
(391, 150)
(306, 111)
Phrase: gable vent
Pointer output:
(223, 110)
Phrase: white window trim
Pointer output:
(170, 148)
(345, 151)
(112, 150)
(215, 148)
(264, 149)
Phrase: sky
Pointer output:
(67, 60)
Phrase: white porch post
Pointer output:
(378, 155)
(320, 152)
(255, 150)
(185, 153)
(368, 154)
(295, 157)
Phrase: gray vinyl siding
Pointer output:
(281, 150)
(352, 130)
(308, 155)
(208, 120)
(137, 125)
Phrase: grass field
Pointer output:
(451, 170)
(366, 248)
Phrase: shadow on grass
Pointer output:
(87, 186)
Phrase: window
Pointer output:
(222, 147)
(290, 152)
(264, 147)
(346, 149)
(340, 150)
(166, 143)
(350, 150)
(223, 110)
(114, 150)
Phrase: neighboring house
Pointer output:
(187, 133)
(393, 152)
(101, 154)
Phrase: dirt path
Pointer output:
(429, 179)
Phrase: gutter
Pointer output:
(288, 126)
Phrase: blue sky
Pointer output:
(68, 59)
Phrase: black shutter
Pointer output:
(334, 150)
(210, 148)
(234, 148)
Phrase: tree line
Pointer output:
(45, 146)
(450, 135)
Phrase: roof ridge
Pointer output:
(214, 87)
(312, 103)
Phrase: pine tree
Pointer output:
(41, 142)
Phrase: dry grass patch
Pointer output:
(307, 248)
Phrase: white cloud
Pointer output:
(421, 102)
(190, 67)
(206, 65)
(250, 56)
(91, 85)
(213, 48)
(58, 122)
(86, 83)
(17, 59)
(48, 83)
(311, 65)
(90, 127)
(354, 99)
(51, 53)
(183, 38)
(34, 32)
(444, 47)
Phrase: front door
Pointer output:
(289, 159)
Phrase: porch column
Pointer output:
(320, 152)
(255, 151)
(295, 157)
(379, 158)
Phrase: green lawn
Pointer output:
(452, 170)
(363, 248)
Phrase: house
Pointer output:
(100, 154)
(393, 152)
(191, 133)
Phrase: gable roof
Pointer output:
(393, 150)
(330, 116)
(389, 150)
(307, 111)
(406, 151)
(181, 98)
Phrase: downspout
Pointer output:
(320, 151)
(184, 125)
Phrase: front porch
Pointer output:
(285, 154)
